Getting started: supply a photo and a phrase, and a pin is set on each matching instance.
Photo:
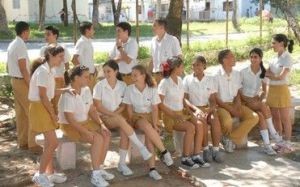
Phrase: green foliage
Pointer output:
(101, 57)
(144, 52)
(2, 68)
(294, 78)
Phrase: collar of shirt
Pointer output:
(106, 85)
(163, 38)
(85, 38)
(136, 90)
(47, 67)
(224, 74)
(250, 71)
(283, 55)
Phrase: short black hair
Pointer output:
(53, 29)
(161, 22)
(125, 26)
(223, 54)
(84, 26)
(21, 26)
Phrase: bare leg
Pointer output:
(189, 135)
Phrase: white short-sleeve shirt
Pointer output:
(199, 91)
(111, 98)
(277, 64)
(227, 86)
(43, 76)
(174, 93)
(84, 48)
(251, 82)
(141, 102)
(162, 50)
(59, 71)
(79, 105)
(17, 50)
(131, 49)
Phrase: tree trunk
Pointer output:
(42, 11)
(95, 18)
(290, 18)
(75, 20)
(65, 7)
(116, 10)
(3, 20)
(235, 21)
(75, 17)
(158, 9)
(174, 18)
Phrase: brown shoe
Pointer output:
(23, 147)
(36, 149)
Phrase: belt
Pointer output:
(156, 73)
(19, 78)
(125, 74)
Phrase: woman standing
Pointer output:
(171, 92)
(108, 95)
(279, 97)
(80, 121)
(42, 118)
(142, 102)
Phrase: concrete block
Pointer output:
(66, 155)
(178, 138)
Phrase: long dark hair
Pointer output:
(148, 79)
(52, 50)
(169, 66)
(286, 42)
(259, 52)
(113, 65)
(75, 71)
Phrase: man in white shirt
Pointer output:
(163, 46)
(228, 85)
(18, 70)
(51, 36)
(84, 51)
(125, 51)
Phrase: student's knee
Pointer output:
(226, 125)
(190, 129)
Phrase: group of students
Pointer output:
(133, 97)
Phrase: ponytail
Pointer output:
(259, 52)
(286, 42)
(148, 79)
(36, 63)
(114, 65)
(291, 46)
(263, 70)
(75, 71)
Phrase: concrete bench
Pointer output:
(66, 150)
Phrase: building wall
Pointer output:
(20, 14)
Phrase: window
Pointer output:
(207, 6)
(230, 6)
(16, 4)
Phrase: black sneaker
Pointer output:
(207, 155)
(199, 160)
(188, 162)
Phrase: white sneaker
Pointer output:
(145, 153)
(57, 178)
(269, 151)
(97, 179)
(167, 159)
(107, 176)
(124, 169)
(228, 145)
(41, 180)
(155, 175)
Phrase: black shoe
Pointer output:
(199, 160)
(188, 162)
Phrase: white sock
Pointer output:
(134, 139)
(272, 130)
(265, 136)
(123, 154)
(206, 148)
(215, 148)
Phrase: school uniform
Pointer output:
(39, 118)
(141, 102)
(79, 105)
(131, 49)
(160, 51)
(279, 95)
(17, 50)
(85, 50)
(110, 98)
(173, 99)
(59, 74)
(227, 87)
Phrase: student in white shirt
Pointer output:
(142, 102)
(173, 106)
(51, 36)
(42, 118)
(79, 120)
(125, 51)
(84, 51)
(279, 97)
(108, 95)
(18, 69)
(253, 92)
(228, 85)
(163, 46)
(200, 92)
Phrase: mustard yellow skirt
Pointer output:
(73, 134)
(127, 79)
(169, 121)
(279, 96)
(138, 116)
(111, 120)
(39, 119)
